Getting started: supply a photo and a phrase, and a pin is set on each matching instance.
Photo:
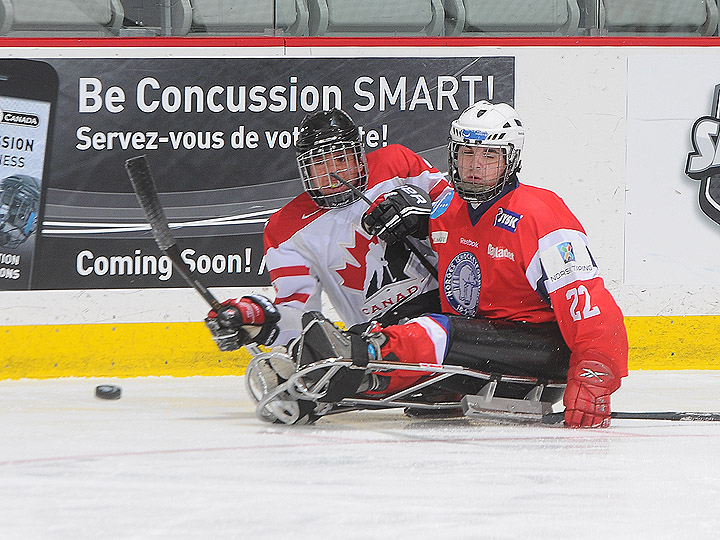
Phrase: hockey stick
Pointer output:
(556, 418)
(143, 183)
(423, 260)
(138, 170)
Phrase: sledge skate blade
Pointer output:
(504, 408)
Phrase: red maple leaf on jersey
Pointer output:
(354, 276)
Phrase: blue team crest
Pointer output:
(566, 252)
(461, 284)
(441, 205)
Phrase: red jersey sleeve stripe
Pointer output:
(297, 297)
(441, 186)
(287, 271)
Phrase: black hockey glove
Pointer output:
(398, 213)
(251, 319)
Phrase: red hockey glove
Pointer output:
(398, 213)
(252, 318)
(587, 395)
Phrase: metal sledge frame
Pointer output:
(483, 405)
(297, 388)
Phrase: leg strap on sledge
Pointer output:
(321, 340)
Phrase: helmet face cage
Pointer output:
(329, 142)
(484, 150)
(477, 185)
(344, 158)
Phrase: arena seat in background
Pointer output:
(376, 17)
(658, 17)
(511, 17)
(6, 15)
(181, 17)
(60, 17)
(248, 17)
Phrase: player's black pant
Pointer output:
(508, 348)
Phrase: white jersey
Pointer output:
(309, 250)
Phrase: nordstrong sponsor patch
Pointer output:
(566, 262)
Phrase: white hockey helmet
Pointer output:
(489, 126)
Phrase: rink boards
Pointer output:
(612, 124)
(185, 349)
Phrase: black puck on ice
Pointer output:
(108, 391)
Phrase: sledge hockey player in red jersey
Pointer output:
(316, 243)
(520, 289)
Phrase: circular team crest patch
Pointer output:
(461, 284)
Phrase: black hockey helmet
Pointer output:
(329, 142)
(325, 127)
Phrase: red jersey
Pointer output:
(525, 257)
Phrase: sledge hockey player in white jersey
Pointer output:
(525, 319)
(316, 243)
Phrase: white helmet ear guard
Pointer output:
(487, 125)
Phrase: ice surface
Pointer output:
(186, 458)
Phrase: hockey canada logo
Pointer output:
(379, 272)
(703, 163)
(462, 284)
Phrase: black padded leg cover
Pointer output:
(508, 348)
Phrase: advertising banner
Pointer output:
(28, 91)
(673, 188)
(218, 134)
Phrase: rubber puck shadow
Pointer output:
(108, 391)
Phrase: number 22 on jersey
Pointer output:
(588, 310)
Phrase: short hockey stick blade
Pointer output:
(143, 183)
(556, 418)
